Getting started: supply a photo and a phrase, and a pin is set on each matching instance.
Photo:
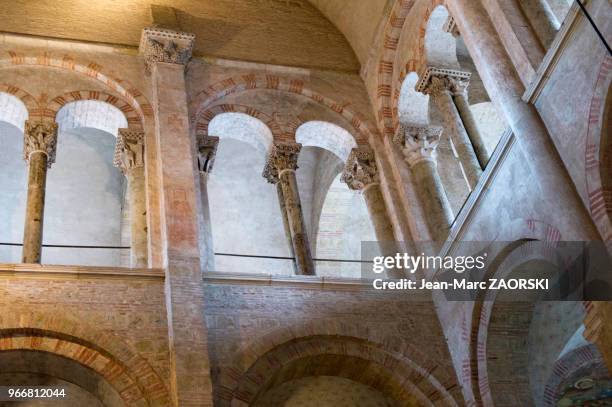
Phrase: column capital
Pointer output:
(450, 26)
(434, 81)
(360, 170)
(40, 136)
(282, 157)
(207, 150)
(129, 150)
(165, 45)
(418, 143)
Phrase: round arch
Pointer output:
(413, 106)
(439, 46)
(327, 136)
(13, 110)
(27, 101)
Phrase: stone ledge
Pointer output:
(312, 282)
(77, 272)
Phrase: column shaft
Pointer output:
(138, 217)
(286, 225)
(206, 231)
(35, 208)
(433, 198)
(299, 237)
(459, 136)
(378, 213)
(505, 89)
(472, 129)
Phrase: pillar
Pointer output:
(419, 145)
(40, 139)
(441, 84)
(467, 117)
(280, 169)
(129, 158)
(361, 174)
(542, 19)
(166, 53)
(286, 224)
(506, 89)
(207, 149)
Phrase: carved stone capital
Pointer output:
(434, 81)
(40, 137)
(207, 150)
(360, 170)
(450, 26)
(129, 150)
(164, 45)
(418, 143)
(282, 157)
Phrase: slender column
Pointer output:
(166, 53)
(505, 89)
(280, 169)
(286, 224)
(40, 139)
(129, 157)
(463, 106)
(361, 174)
(419, 147)
(441, 84)
(542, 19)
(207, 150)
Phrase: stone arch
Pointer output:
(128, 372)
(204, 118)
(134, 120)
(598, 159)
(243, 83)
(586, 357)
(13, 111)
(251, 130)
(128, 92)
(280, 347)
(327, 136)
(412, 106)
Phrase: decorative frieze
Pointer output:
(360, 170)
(282, 157)
(164, 45)
(207, 150)
(40, 137)
(434, 81)
(129, 150)
(418, 143)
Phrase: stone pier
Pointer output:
(280, 169)
(40, 140)
(441, 84)
(419, 148)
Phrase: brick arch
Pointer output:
(331, 355)
(129, 93)
(392, 72)
(528, 237)
(204, 118)
(135, 121)
(599, 194)
(133, 377)
(28, 100)
(243, 83)
(394, 351)
(585, 356)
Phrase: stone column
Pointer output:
(166, 53)
(280, 169)
(441, 84)
(542, 19)
(503, 85)
(419, 148)
(286, 224)
(40, 139)
(463, 106)
(361, 174)
(207, 150)
(129, 158)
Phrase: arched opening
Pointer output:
(13, 177)
(244, 207)
(336, 217)
(85, 193)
